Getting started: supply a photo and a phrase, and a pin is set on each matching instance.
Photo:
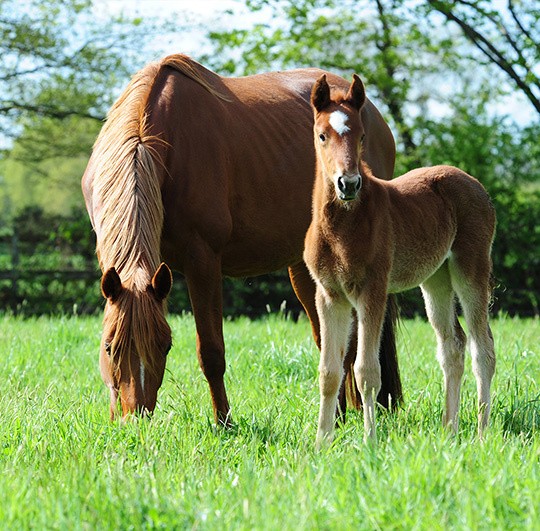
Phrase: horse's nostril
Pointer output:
(358, 184)
(341, 184)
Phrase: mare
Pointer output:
(431, 227)
(213, 176)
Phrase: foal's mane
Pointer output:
(126, 187)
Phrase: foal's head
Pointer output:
(339, 134)
(136, 339)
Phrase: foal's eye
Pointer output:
(322, 137)
(107, 348)
(363, 138)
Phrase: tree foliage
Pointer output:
(62, 67)
(60, 71)
(508, 37)
(437, 84)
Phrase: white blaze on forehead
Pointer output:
(338, 120)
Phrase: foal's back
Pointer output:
(435, 212)
(455, 188)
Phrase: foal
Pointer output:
(432, 227)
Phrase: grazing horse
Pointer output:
(213, 176)
(431, 227)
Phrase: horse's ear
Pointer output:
(162, 281)
(357, 94)
(111, 285)
(320, 94)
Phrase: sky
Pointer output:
(208, 14)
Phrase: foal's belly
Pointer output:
(413, 266)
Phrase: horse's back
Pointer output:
(243, 165)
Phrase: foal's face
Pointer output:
(135, 343)
(339, 134)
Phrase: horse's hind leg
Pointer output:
(471, 281)
(441, 312)
(335, 319)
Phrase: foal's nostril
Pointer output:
(348, 187)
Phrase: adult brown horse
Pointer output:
(431, 227)
(214, 176)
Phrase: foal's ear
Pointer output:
(111, 285)
(357, 94)
(320, 94)
(162, 281)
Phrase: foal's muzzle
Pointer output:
(348, 186)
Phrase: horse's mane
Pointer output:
(192, 69)
(130, 218)
(126, 187)
(125, 180)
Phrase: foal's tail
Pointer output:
(391, 393)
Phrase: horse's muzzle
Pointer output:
(348, 186)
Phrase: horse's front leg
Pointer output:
(204, 280)
(367, 368)
(335, 318)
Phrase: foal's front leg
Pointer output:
(335, 318)
(367, 368)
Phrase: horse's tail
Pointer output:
(391, 393)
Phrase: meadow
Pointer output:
(64, 465)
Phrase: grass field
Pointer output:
(63, 465)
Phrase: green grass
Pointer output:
(64, 465)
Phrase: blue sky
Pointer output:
(207, 14)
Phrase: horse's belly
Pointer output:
(263, 254)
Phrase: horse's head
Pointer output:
(136, 339)
(339, 134)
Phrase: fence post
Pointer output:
(14, 269)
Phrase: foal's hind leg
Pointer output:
(441, 312)
(471, 281)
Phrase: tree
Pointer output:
(62, 67)
(60, 71)
(508, 38)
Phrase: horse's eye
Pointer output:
(363, 138)
(107, 348)
(322, 137)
